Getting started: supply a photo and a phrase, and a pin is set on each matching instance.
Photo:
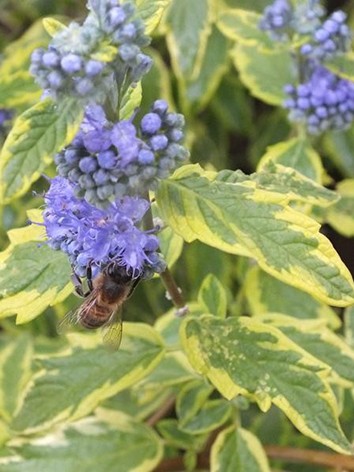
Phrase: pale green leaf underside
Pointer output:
(99, 444)
(238, 450)
(246, 219)
(244, 356)
(70, 386)
(37, 135)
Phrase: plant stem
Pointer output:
(165, 408)
(167, 278)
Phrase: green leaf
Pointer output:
(171, 245)
(349, 325)
(201, 88)
(130, 102)
(139, 402)
(212, 296)
(17, 87)
(174, 436)
(37, 135)
(102, 443)
(238, 449)
(71, 385)
(15, 368)
(265, 73)
(296, 153)
(322, 343)
(340, 147)
(188, 25)
(53, 26)
(241, 356)
(265, 294)
(32, 276)
(242, 25)
(174, 369)
(167, 326)
(211, 416)
(151, 12)
(191, 399)
(341, 215)
(342, 65)
(239, 218)
(106, 53)
(278, 180)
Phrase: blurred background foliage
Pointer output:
(227, 128)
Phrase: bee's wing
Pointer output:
(66, 324)
(112, 331)
(72, 318)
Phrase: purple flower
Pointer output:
(107, 160)
(124, 138)
(97, 237)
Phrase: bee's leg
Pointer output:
(89, 278)
(77, 284)
(134, 284)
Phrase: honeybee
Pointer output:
(102, 303)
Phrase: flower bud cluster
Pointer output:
(277, 19)
(324, 102)
(94, 207)
(97, 237)
(282, 18)
(86, 60)
(109, 160)
(6, 116)
(333, 36)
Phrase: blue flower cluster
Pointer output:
(322, 100)
(97, 237)
(276, 19)
(282, 17)
(87, 60)
(94, 208)
(108, 160)
(330, 38)
(6, 116)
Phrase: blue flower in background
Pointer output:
(324, 101)
(321, 100)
